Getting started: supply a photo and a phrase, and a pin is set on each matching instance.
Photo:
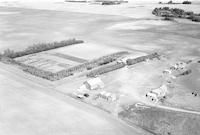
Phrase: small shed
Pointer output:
(94, 84)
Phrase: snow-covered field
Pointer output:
(139, 25)
(87, 51)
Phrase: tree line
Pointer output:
(106, 69)
(40, 47)
(176, 13)
(142, 58)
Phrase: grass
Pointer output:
(162, 122)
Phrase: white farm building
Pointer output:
(94, 84)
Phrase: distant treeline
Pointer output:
(176, 13)
(171, 2)
(40, 47)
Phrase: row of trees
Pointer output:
(142, 58)
(106, 69)
(40, 47)
(116, 66)
(90, 65)
(176, 13)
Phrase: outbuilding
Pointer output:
(94, 84)
(108, 96)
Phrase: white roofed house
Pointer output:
(94, 84)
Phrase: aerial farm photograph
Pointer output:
(99, 67)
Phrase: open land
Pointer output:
(44, 107)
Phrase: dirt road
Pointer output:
(166, 108)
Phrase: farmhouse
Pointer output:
(157, 94)
(94, 84)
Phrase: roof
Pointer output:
(95, 81)
(82, 88)
(162, 89)
(152, 95)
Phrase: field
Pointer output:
(87, 51)
(161, 121)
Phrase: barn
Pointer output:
(94, 84)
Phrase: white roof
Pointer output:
(152, 95)
(167, 70)
(108, 94)
(82, 88)
(95, 81)
(162, 89)
(103, 92)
